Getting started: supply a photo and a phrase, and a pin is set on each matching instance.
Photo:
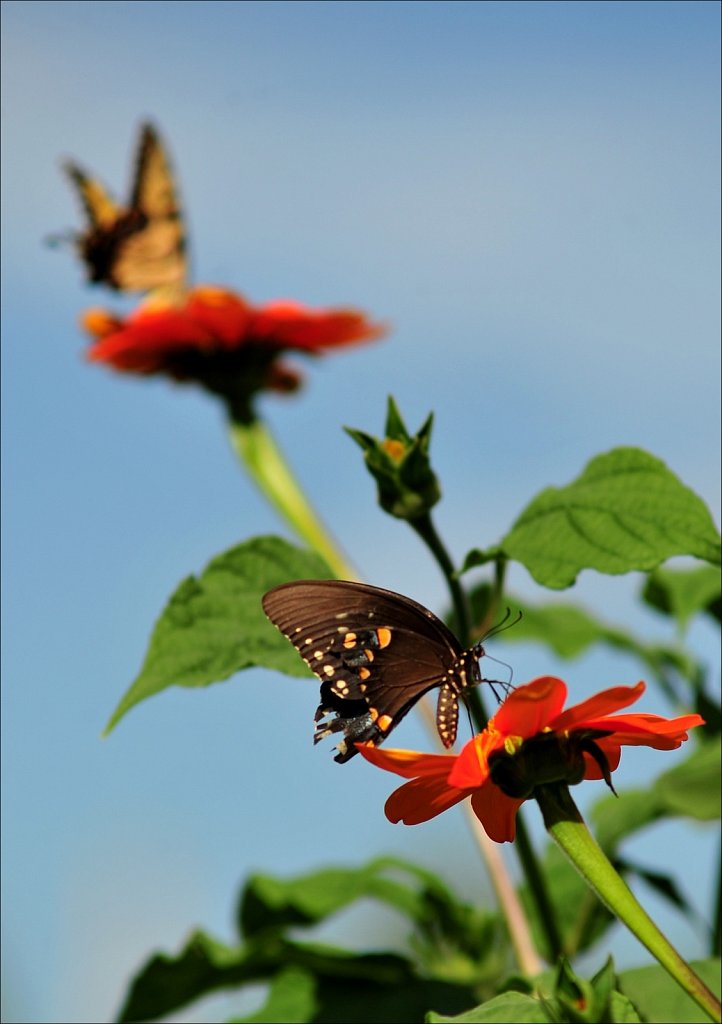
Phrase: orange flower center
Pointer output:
(394, 448)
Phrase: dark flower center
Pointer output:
(547, 758)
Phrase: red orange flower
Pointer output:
(222, 342)
(530, 742)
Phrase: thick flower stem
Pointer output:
(569, 832)
(261, 457)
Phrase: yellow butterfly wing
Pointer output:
(153, 257)
(140, 247)
(101, 208)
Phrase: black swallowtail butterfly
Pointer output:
(376, 653)
(139, 247)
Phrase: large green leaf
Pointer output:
(454, 940)
(692, 789)
(268, 902)
(291, 999)
(214, 625)
(406, 1002)
(570, 631)
(659, 999)
(509, 1006)
(166, 982)
(627, 511)
(683, 593)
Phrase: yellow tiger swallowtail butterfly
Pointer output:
(139, 247)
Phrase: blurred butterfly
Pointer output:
(376, 653)
(139, 247)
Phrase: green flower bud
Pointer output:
(407, 485)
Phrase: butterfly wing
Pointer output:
(140, 247)
(154, 256)
(100, 207)
(376, 653)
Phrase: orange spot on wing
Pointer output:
(383, 635)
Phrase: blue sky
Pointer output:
(529, 193)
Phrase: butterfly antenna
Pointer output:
(504, 624)
(61, 239)
(506, 687)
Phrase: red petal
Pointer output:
(421, 799)
(287, 324)
(223, 314)
(496, 812)
(595, 707)
(408, 763)
(652, 730)
(529, 709)
(471, 767)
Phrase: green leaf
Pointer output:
(684, 593)
(616, 817)
(627, 511)
(454, 941)
(561, 996)
(509, 1006)
(213, 625)
(622, 1010)
(167, 982)
(269, 902)
(611, 1005)
(406, 1002)
(291, 999)
(570, 631)
(659, 999)
(692, 789)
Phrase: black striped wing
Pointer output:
(375, 652)
(139, 247)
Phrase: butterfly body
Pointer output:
(376, 653)
(139, 247)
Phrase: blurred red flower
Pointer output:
(220, 341)
(530, 742)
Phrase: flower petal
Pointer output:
(471, 767)
(595, 707)
(224, 315)
(408, 763)
(530, 708)
(496, 812)
(294, 326)
(422, 799)
(215, 323)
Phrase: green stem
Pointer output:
(424, 526)
(569, 832)
(261, 457)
